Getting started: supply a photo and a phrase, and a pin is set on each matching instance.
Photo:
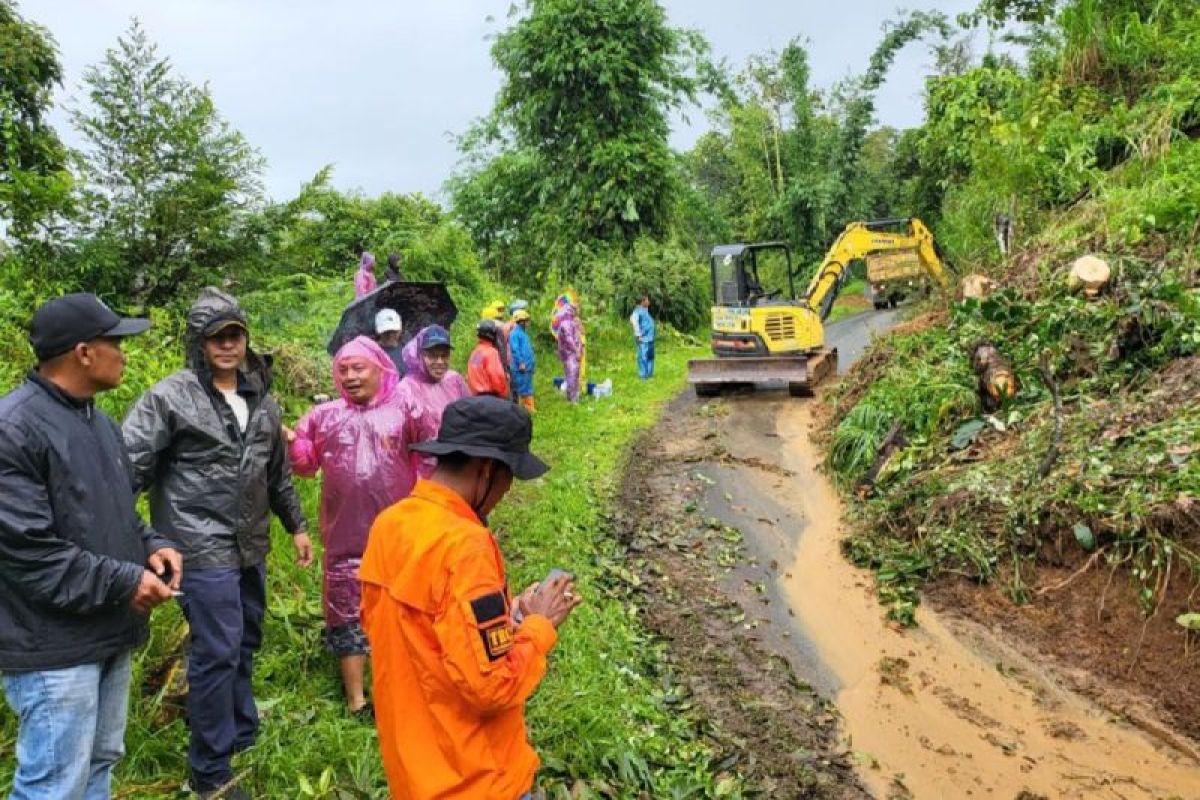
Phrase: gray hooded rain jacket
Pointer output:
(212, 487)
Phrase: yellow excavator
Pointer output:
(760, 336)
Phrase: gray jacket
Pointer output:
(211, 486)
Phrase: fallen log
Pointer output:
(997, 380)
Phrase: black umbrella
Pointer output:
(419, 304)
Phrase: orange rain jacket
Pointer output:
(451, 672)
(485, 371)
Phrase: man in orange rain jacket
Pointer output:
(486, 373)
(454, 658)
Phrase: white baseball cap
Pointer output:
(388, 319)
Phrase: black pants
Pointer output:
(224, 608)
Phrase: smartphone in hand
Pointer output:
(555, 573)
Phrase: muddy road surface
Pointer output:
(736, 533)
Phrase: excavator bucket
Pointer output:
(800, 373)
(419, 304)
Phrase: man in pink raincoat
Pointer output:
(364, 279)
(429, 385)
(569, 333)
(360, 445)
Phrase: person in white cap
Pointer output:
(388, 329)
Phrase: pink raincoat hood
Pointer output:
(366, 348)
(362, 454)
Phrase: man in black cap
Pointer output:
(207, 445)
(453, 656)
(79, 571)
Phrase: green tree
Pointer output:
(168, 185)
(575, 151)
(322, 231)
(34, 181)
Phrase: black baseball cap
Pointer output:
(60, 324)
(488, 427)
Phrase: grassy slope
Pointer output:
(1109, 74)
(597, 718)
(1125, 474)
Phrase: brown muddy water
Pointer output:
(946, 710)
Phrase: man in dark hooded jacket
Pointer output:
(207, 445)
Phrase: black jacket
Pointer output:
(72, 547)
(212, 487)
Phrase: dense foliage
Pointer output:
(1089, 146)
(790, 162)
(167, 187)
(33, 176)
(575, 151)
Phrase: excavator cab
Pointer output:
(737, 279)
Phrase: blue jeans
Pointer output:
(645, 359)
(72, 729)
(224, 608)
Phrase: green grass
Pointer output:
(598, 719)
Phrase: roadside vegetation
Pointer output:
(1090, 147)
(1088, 144)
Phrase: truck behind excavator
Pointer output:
(761, 336)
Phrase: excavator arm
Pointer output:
(862, 239)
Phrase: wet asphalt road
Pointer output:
(852, 334)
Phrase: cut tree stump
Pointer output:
(1089, 273)
(976, 287)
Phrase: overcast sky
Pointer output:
(379, 88)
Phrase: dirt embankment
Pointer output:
(1084, 612)
(705, 595)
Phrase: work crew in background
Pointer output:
(391, 273)
(486, 373)
(79, 571)
(513, 308)
(643, 334)
(454, 658)
(557, 314)
(522, 359)
(388, 329)
(494, 311)
(429, 385)
(207, 444)
(570, 348)
(364, 278)
(360, 445)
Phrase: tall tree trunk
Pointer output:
(766, 145)
(778, 158)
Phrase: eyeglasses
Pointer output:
(434, 356)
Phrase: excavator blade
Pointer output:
(800, 373)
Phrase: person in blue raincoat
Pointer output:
(643, 333)
(521, 359)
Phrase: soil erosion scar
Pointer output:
(947, 713)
